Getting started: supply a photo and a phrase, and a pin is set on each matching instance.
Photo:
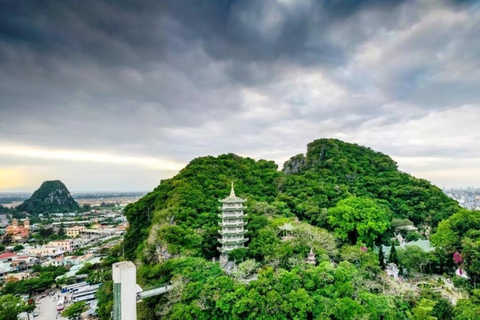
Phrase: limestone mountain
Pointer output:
(183, 211)
(332, 169)
(52, 197)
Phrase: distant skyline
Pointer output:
(110, 96)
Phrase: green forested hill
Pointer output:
(190, 202)
(333, 169)
(345, 197)
(52, 196)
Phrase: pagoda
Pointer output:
(233, 231)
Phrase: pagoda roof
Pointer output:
(287, 226)
(232, 197)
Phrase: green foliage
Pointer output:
(11, 306)
(44, 280)
(393, 257)
(61, 230)
(413, 258)
(412, 236)
(333, 170)
(461, 232)
(468, 309)
(359, 219)
(381, 258)
(190, 199)
(336, 187)
(52, 196)
(424, 310)
(322, 292)
(18, 247)
(238, 255)
(451, 231)
(75, 310)
(471, 254)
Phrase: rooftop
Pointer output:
(287, 226)
(7, 255)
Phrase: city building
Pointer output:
(14, 277)
(232, 223)
(17, 232)
(65, 245)
(74, 231)
(44, 252)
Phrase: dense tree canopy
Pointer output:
(340, 198)
(359, 219)
(11, 306)
(74, 310)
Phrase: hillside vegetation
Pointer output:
(52, 197)
(332, 170)
(343, 199)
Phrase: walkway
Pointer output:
(154, 292)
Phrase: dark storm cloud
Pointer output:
(178, 79)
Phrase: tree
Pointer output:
(75, 310)
(450, 232)
(18, 247)
(424, 310)
(359, 219)
(467, 309)
(238, 255)
(61, 231)
(392, 257)
(381, 258)
(413, 258)
(7, 238)
(315, 238)
(471, 252)
(11, 306)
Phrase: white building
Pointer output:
(65, 245)
(233, 232)
(124, 291)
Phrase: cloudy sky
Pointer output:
(109, 96)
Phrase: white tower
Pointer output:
(233, 232)
(124, 291)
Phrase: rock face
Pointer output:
(51, 197)
(295, 164)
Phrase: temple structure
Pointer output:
(287, 231)
(232, 223)
(311, 257)
(19, 233)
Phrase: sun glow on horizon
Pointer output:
(88, 156)
(11, 178)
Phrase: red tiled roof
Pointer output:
(7, 255)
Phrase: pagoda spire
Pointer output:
(232, 192)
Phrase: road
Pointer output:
(47, 307)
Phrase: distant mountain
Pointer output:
(51, 197)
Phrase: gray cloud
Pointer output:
(180, 79)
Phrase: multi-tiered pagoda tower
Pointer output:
(233, 231)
